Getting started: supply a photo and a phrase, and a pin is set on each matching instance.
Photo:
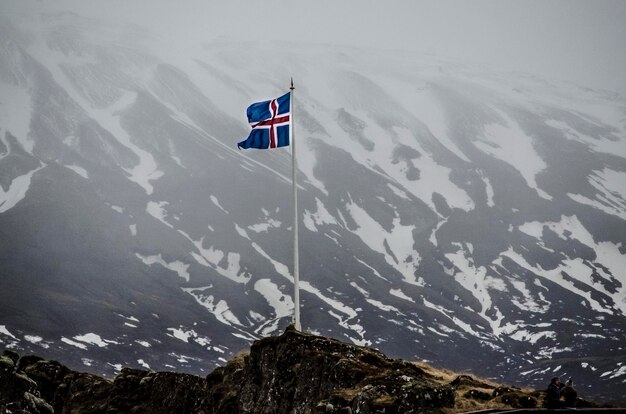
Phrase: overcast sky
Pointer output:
(583, 41)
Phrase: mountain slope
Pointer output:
(451, 214)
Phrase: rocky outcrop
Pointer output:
(303, 371)
(294, 372)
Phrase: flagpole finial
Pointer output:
(292, 88)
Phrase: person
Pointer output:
(569, 394)
(553, 394)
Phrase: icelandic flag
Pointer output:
(270, 124)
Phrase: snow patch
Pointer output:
(400, 294)
(214, 257)
(597, 143)
(320, 217)
(376, 303)
(433, 177)
(157, 210)
(575, 268)
(532, 337)
(17, 190)
(78, 170)
(5, 331)
(464, 326)
(94, 339)
(34, 339)
(529, 303)
(488, 189)
(215, 201)
(176, 266)
(607, 253)
(179, 334)
(474, 279)
(433, 234)
(147, 169)
(376, 273)
(218, 308)
(73, 343)
(281, 303)
(185, 335)
(398, 192)
(511, 145)
(611, 196)
(399, 240)
(116, 367)
(242, 232)
(618, 372)
(265, 226)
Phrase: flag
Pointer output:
(270, 124)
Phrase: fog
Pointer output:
(569, 40)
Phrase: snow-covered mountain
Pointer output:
(449, 213)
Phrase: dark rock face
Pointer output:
(297, 371)
(49, 387)
(316, 370)
(291, 373)
(18, 392)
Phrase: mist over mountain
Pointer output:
(449, 213)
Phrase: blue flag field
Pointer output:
(270, 124)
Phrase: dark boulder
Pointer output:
(469, 381)
(477, 395)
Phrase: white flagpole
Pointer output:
(296, 271)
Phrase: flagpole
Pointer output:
(296, 265)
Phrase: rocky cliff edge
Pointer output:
(293, 371)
